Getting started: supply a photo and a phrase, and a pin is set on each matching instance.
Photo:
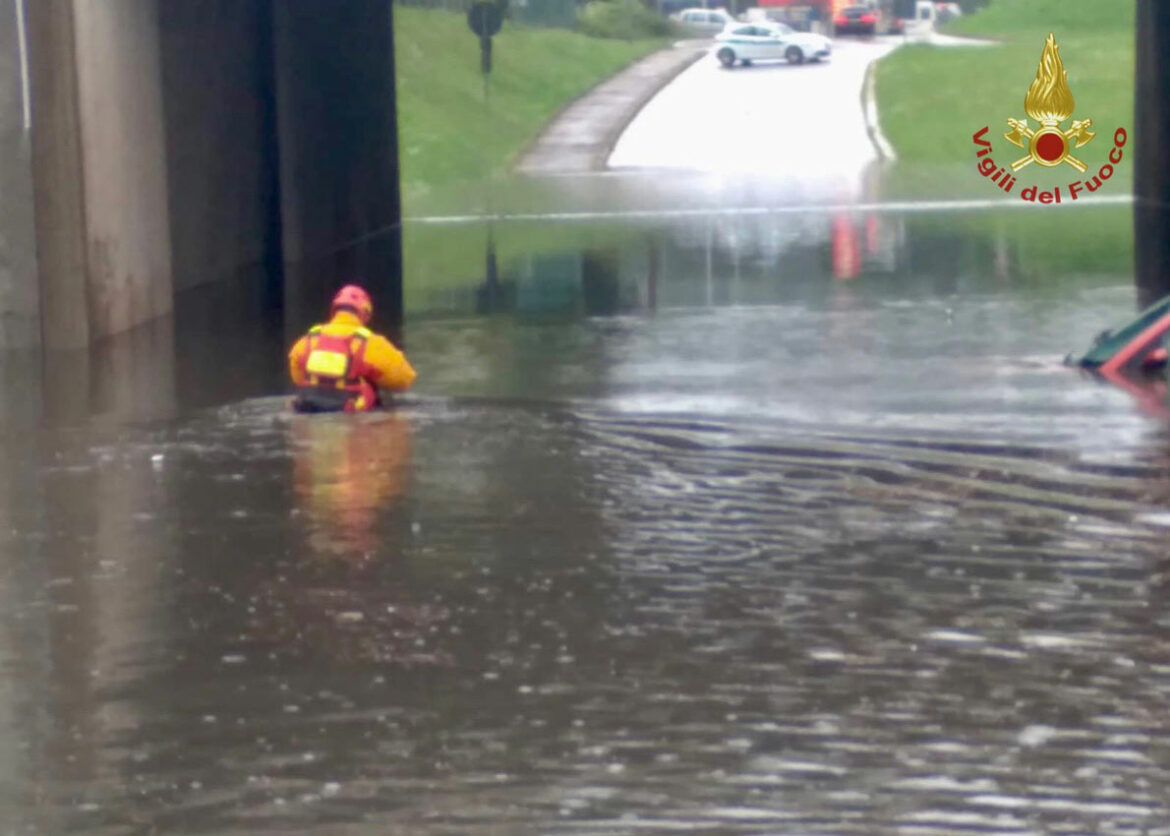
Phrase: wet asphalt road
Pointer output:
(770, 119)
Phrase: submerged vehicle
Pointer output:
(1138, 346)
(1133, 358)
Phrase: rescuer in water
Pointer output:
(340, 366)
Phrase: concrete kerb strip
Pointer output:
(582, 135)
(873, 126)
(618, 126)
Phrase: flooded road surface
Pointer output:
(706, 529)
(768, 120)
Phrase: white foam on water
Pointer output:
(1066, 805)
(954, 637)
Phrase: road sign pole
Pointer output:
(485, 63)
(485, 18)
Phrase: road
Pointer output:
(772, 120)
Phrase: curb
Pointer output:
(869, 110)
(559, 148)
(623, 120)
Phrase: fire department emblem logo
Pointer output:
(1049, 102)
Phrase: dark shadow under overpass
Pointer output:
(170, 144)
(1152, 144)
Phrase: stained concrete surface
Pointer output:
(19, 303)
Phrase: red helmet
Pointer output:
(353, 297)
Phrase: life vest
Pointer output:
(335, 366)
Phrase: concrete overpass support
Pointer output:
(154, 155)
(219, 104)
(337, 135)
(150, 146)
(19, 300)
(123, 160)
(99, 167)
(1152, 155)
(56, 162)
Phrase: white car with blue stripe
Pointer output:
(748, 42)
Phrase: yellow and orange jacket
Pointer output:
(380, 364)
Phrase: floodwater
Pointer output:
(729, 524)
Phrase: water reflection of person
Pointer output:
(352, 597)
(347, 470)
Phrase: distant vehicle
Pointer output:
(706, 22)
(856, 20)
(925, 13)
(947, 11)
(748, 42)
(798, 17)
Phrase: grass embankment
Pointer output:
(453, 144)
(932, 99)
(447, 134)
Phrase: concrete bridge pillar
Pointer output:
(150, 146)
(123, 161)
(99, 167)
(1151, 156)
(19, 301)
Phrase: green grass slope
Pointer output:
(932, 99)
(447, 133)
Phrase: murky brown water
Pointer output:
(715, 529)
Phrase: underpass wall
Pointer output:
(222, 168)
(175, 143)
(1152, 166)
(19, 302)
(123, 160)
(337, 135)
(58, 193)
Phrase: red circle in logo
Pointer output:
(1050, 147)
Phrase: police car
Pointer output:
(765, 41)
